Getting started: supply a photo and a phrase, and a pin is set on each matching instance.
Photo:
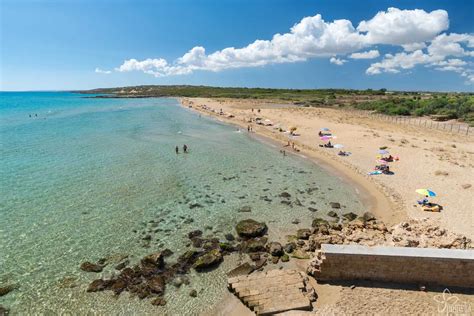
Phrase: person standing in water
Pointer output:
(185, 148)
(177, 150)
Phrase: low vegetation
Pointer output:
(443, 106)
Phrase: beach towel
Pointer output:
(373, 173)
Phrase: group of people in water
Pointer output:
(185, 149)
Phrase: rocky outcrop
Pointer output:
(250, 228)
(208, 260)
(91, 267)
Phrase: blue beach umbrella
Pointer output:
(383, 152)
(325, 129)
(426, 192)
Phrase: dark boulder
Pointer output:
(193, 293)
(159, 301)
(4, 290)
(254, 245)
(312, 209)
(303, 233)
(208, 260)
(156, 284)
(289, 247)
(155, 259)
(229, 237)
(275, 249)
(250, 228)
(350, 216)
(332, 214)
(285, 195)
(195, 233)
(335, 204)
(368, 217)
(91, 267)
(318, 222)
(98, 285)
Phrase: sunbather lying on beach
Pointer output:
(424, 202)
(343, 153)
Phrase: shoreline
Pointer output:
(372, 197)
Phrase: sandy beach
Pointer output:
(428, 159)
(431, 159)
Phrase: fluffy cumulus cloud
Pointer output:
(337, 61)
(417, 33)
(398, 27)
(371, 54)
(438, 54)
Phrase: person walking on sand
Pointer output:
(185, 148)
(177, 150)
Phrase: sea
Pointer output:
(84, 178)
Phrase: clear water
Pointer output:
(79, 178)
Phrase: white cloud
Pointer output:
(100, 71)
(337, 61)
(398, 27)
(437, 55)
(371, 54)
(313, 37)
(413, 46)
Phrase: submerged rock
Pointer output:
(195, 233)
(303, 233)
(208, 260)
(332, 214)
(159, 301)
(254, 245)
(155, 259)
(350, 216)
(193, 293)
(319, 221)
(156, 284)
(98, 285)
(275, 249)
(245, 209)
(250, 228)
(285, 195)
(289, 247)
(229, 237)
(91, 267)
(335, 204)
(4, 290)
(312, 209)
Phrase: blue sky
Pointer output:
(61, 45)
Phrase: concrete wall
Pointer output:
(448, 267)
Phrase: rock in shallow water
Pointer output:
(250, 228)
(91, 267)
(303, 233)
(208, 260)
(275, 249)
(335, 204)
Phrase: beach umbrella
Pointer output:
(426, 192)
(325, 129)
(338, 146)
(325, 137)
(383, 152)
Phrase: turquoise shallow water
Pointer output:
(82, 179)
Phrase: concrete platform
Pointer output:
(272, 292)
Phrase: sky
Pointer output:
(85, 44)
